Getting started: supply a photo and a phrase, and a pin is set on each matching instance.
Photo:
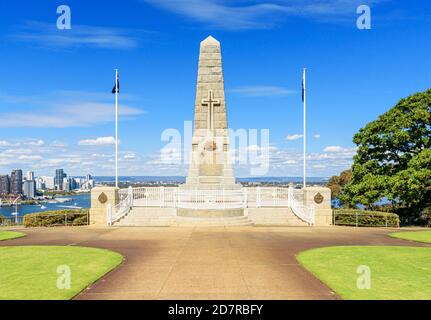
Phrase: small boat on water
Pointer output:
(70, 207)
(42, 207)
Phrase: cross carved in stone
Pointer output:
(210, 102)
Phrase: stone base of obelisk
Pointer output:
(211, 189)
(208, 213)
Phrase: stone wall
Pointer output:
(320, 198)
(101, 197)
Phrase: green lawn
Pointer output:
(396, 272)
(33, 272)
(9, 235)
(419, 236)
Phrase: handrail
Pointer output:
(171, 197)
(300, 209)
(115, 213)
(210, 199)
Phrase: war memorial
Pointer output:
(210, 196)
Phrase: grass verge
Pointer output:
(418, 236)
(396, 273)
(42, 272)
(9, 235)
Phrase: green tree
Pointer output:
(394, 158)
(338, 183)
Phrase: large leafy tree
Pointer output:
(338, 183)
(394, 157)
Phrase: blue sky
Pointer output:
(56, 109)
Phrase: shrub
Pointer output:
(56, 218)
(352, 217)
(81, 221)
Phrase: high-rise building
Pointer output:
(40, 184)
(4, 185)
(49, 183)
(16, 182)
(30, 175)
(58, 180)
(29, 189)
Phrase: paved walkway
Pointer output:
(210, 263)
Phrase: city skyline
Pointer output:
(30, 185)
(65, 118)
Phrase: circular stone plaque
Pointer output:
(103, 198)
(318, 198)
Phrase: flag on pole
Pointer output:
(303, 86)
(304, 101)
(116, 88)
(115, 91)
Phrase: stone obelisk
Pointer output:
(210, 165)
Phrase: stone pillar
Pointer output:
(320, 198)
(210, 158)
(101, 197)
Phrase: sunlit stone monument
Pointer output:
(210, 165)
(210, 169)
(210, 196)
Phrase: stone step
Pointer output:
(213, 222)
(140, 216)
(146, 216)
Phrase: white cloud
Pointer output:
(316, 136)
(58, 144)
(338, 149)
(81, 158)
(47, 112)
(248, 14)
(30, 157)
(262, 91)
(4, 143)
(319, 166)
(23, 142)
(292, 137)
(100, 141)
(130, 156)
(47, 35)
(36, 143)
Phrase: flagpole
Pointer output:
(116, 128)
(305, 132)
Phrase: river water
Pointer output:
(76, 201)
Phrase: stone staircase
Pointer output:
(165, 217)
(148, 217)
(213, 222)
(275, 217)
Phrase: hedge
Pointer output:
(57, 218)
(352, 217)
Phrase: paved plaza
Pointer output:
(208, 263)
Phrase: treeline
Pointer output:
(393, 163)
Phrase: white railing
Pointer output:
(299, 208)
(162, 197)
(197, 199)
(210, 199)
(266, 197)
(125, 203)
